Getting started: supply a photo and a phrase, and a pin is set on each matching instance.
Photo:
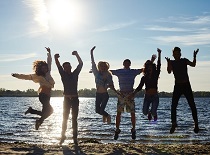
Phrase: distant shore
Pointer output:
(89, 93)
(111, 149)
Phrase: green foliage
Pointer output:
(17, 93)
(57, 93)
(87, 92)
(84, 93)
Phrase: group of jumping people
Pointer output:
(103, 81)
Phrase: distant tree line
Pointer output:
(84, 93)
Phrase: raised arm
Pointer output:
(169, 67)
(78, 57)
(159, 55)
(193, 64)
(91, 54)
(49, 58)
(56, 56)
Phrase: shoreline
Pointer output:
(99, 148)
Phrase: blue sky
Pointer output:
(119, 29)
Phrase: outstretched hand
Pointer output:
(48, 49)
(92, 49)
(159, 50)
(14, 74)
(130, 95)
(74, 53)
(56, 56)
(120, 94)
(168, 59)
(195, 53)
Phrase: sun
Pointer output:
(64, 14)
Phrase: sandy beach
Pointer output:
(18, 135)
(97, 148)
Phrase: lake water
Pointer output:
(15, 126)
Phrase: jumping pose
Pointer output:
(71, 101)
(182, 85)
(46, 82)
(126, 78)
(103, 80)
(150, 80)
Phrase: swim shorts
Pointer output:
(125, 104)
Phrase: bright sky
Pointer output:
(119, 29)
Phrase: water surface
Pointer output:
(15, 126)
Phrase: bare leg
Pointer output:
(133, 120)
(117, 131)
(118, 119)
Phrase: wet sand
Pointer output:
(95, 148)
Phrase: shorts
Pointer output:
(125, 104)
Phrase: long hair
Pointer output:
(147, 64)
(107, 72)
(100, 63)
(37, 66)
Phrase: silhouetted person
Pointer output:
(43, 77)
(182, 85)
(150, 80)
(103, 80)
(126, 77)
(71, 101)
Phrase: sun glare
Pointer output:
(64, 14)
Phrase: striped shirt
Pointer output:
(126, 78)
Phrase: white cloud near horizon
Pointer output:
(15, 57)
(203, 63)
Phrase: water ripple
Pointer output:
(17, 127)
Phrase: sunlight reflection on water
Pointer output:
(15, 126)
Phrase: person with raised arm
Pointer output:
(71, 101)
(103, 81)
(182, 85)
(150, 80)
(42, 76)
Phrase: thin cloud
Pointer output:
(194, 30)
(15, 57)
(171, 29)
(115, 26)
(40, 14)
(197, 39)
(197, 20)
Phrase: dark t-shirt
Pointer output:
(179, 68)
(150, 82)
(70, 81)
